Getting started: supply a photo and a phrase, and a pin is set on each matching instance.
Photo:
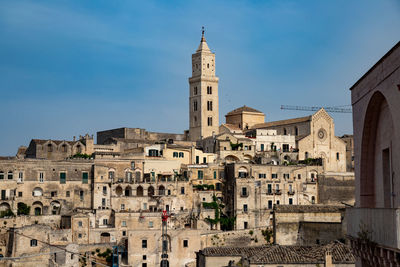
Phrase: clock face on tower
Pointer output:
(321, 134)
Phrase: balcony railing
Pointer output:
(291, 192)
(278, 192)
(379, 225)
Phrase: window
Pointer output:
(209, 121)
(284, 131)
(185, 243)
(299, 176)
(277, 187)
(33, 243)
(144, 264)
(123, 223)
(19, 194)
(20, 177)
(105, 221)
(144, 257)
(63, 177)
(123, 233)
(286, 176)
(244, 207)
(67, 194)
(175, 154)
(337, 156)
(262, 175)
(85, 177)
(215, 175)
(111, 175)
(79, 235)
(242, 174)
(274, 175)
(290, 201)
(1, 175)
(262, 147)
(41, 177)
(150, 224)
(204, 160)
(306, 155)
(290, 188)
(122, 206)
(277, 202)
(197, 159)
(49, 148)
(296, 131)
(269, 204)
(10, 175)
(53, 193)
(195, 90)
(169, 192)
(244, 191)
(181, 154)
(144, 243)
(285, 147)
(182, 190)
(209, 89)
(64, 148)
(199, 174)
(80, 224)
(81, 195)
(209, 106)
(195, 105)
(145, 206)
(269, 191)
(104, 190)
(245, 225)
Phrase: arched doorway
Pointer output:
(105, 237)
(128, 191)
(37, 208)
(161, 190)
(150, 191)
(139, 191)
(375, 173)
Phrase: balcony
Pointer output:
(379, 225)
(291, 193)
(278, 192)
(269, 192)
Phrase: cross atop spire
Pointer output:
(203, 44)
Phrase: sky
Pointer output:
(68, 68)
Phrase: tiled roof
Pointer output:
(231, 126)
(243, 109)
(307, 208)
(282, 122)
(279, 254)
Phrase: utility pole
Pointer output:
(164, 255)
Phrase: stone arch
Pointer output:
(150, 191)
(139, 191)
(37, 192)
(37, 208)
(160, 241)
(243, 172)
(5, 206)
(377, 121)
(128, 191)
(247, 158)
(231, 158)
(118, 190)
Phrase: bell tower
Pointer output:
(203, 95)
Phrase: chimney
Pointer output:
(328, 258)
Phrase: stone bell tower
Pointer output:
(203, 95)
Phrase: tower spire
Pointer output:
(202, 34)
(203, 44)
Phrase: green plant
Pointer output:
(6, 213)
(81, 156)
(364, 233)
(267, 233)
(23, 209)
(251, 232)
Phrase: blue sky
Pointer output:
(74, 67)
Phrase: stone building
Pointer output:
(244, 118)
(374, 222)
(255, 189)
(203, 94)
(315, 138)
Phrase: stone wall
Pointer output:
(336, 189)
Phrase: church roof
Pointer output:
(282, 122)
(243, 109)
(203, 47)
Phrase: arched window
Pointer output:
(139, 191)
(49, 148)
(150, 191)
(10, 175)
(181, 155)
(128, 191)
(175, 154)
(111, 174)
(64, 148)
(284, 131)
(78, 149)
